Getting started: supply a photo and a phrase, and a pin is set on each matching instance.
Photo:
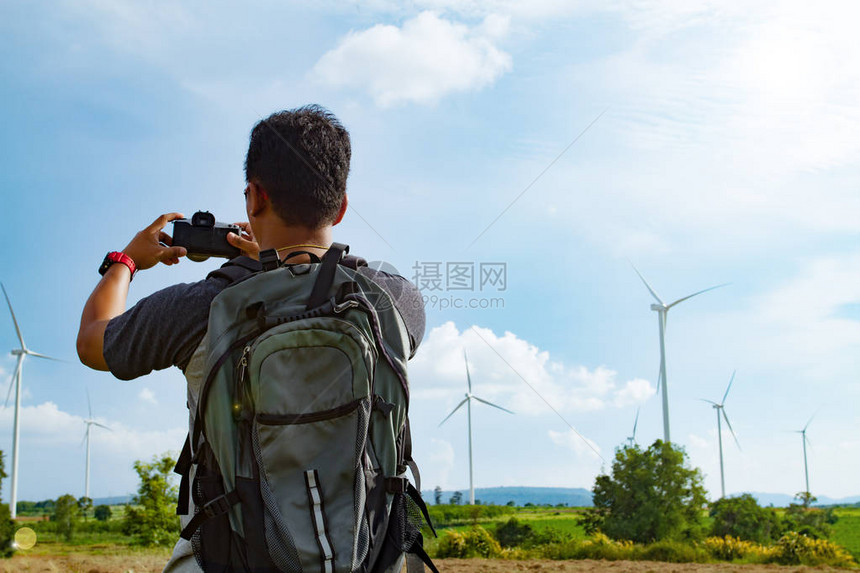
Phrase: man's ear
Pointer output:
(342, 211)
(258, 199)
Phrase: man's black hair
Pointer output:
(300, 157)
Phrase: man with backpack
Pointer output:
(295, 356)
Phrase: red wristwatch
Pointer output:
(117, 257)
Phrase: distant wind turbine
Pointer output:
(662, 310)
(720, 408)
(805, 440)
(21, 353)
(632, 439)
(468, 401)
(90, 422)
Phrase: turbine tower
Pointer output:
(632, 439)
(468, 401)
(90, 422)
(662, 310)
(805, 440)
(720, 408)
(21, 353)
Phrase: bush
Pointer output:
(513, 533)
(443, 515)
(475, 542)
(674, 552)
(742, 517)
(730, 548)
(797, 549)
(102, 512)
(598, 547)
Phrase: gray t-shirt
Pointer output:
(165, 328)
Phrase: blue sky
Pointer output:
(727, 151)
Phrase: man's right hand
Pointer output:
(146, 248)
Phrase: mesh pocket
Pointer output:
(281, 547)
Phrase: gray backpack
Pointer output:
(298, 454)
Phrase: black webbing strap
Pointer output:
(236, 269)
(417, 558)
(183, 468)
(218, 506)
(269, 259)
(325, 276)
(419, 501)
(407, 454)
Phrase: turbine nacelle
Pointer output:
(18, 352)
(658, 307)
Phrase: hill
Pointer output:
(574, 497)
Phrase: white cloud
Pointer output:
(513, 373)
(576, 442)
(441, 459)
(48, 426)
(422, 61)
(146, 395)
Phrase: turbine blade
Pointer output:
(729, 424)
(708, 401)
(730, 386)
(810, 421)
(689, 296)
(635, 423)
(101, 426)
(460, 405)
(654, 294)
(89, 405)
(659, 376)
(45, 356)
(14, 320)
(491, 404)
(468, 376)
(12, 380)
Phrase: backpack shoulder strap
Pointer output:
(325, 276)
(236, 269)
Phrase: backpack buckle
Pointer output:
(396, 485)
(218, 506)
(270, 259)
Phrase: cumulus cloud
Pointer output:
(579, 444)
(147, 396)
(48, 426)
(515, 374)
(422, 61)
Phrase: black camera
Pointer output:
(204, 237)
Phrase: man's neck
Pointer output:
(289, 239)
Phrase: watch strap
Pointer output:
(114, 257)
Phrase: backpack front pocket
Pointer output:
(312, 402)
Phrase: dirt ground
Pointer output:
(153, 564)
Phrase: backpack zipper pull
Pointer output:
(238, 390)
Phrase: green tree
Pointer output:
(744, 518)
(151, 518)
(651, 495)
(812, 522)
(7, 526)
(67, 516)
(85, 504)
(437, 495)
(456, 498)
(102, 512)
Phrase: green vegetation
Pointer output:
(650, 496)
(152, 520)
(742, 517)
(7, 527)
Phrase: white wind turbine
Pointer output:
(720, 408)
(21, 353)
(90, 422)
(805, 441)
(662, 310)
(468, 401)
(632, 439)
